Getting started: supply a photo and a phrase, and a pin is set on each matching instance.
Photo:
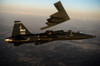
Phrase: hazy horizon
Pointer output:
(80, 9)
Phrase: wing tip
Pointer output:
(45, 27)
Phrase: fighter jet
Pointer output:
(58, 17)
(21, 35)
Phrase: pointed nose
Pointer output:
(90, 36)
(94, 36)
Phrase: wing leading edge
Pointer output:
(57, 17)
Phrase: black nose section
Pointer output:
(90, 36)
(94, 36)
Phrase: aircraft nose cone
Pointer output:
(91, 36)
(94, 36)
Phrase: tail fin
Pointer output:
(19, 29)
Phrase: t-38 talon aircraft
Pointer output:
(21, 35)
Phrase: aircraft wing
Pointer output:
(57, 17)
(39, 42)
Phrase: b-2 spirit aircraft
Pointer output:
(58, 17)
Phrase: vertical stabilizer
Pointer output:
(19, 29)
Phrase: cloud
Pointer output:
(82, 45)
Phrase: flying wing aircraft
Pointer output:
(58, 17)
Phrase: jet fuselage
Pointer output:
(47, 37)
